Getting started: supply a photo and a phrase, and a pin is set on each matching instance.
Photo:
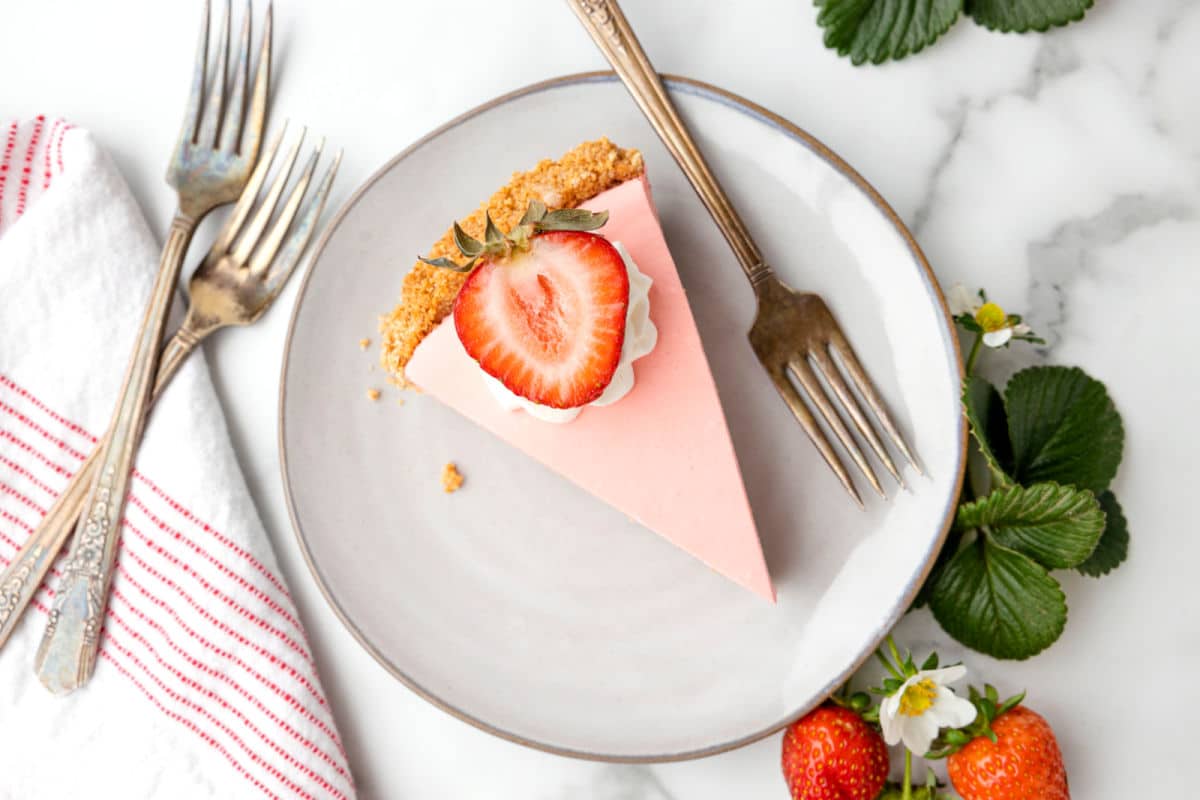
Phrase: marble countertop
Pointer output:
(1060, 171)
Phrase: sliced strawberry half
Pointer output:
(548, 322)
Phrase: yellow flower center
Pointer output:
(918, 698)
(991, 318)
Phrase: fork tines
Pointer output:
(810, 361)
(214, 118)
(264, 237)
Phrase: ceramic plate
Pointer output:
(523, 605)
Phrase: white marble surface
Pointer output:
(1062, 171)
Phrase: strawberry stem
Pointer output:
(906, 791)
(883, 659)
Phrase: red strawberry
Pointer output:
(1023, 763)
(832, 754)
(548, 321)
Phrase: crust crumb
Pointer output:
(364, 343)
(452, 479)
(428, 292)
(373, 394)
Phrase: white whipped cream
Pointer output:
(640, 338)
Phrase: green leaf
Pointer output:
(1064, 428)
(878, 30)
(492, 234)
(1021, 16)
(1057, 526)
(535, 213)
(989, 426)
(468, 245)
(998, 601)
(1114, 542)
(446, 263)
(572, 219)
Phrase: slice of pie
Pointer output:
(572, 339)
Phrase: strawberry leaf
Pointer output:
(535, 213)
(989, 426)
(998, 601)
(572, 219)
(879, 30)
(468, 245)
(1057, 526)
(1063, 427)
(1114, 542)
(446, 263)
(492, 234)
(1022, 16)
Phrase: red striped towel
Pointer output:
(206, 685)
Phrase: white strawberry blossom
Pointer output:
(922, 706)
(998, 327)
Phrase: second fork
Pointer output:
(225, 291)
(217, 149)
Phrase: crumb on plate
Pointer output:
(452, 479)
(373, 394)
(364, 343)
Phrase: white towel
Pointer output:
(206, 685)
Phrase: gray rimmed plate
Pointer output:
(521, 604)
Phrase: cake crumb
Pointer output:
(452, 479)
(364, 343)
(399, 401)
(373, 394)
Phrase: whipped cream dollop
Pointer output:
(640, 338)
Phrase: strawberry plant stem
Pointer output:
(906, 792)
(974, 353)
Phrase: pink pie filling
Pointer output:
(662, 454)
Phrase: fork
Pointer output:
(794, 333)
(217, 149)
(225, 291)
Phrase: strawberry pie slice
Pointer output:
(570, 338)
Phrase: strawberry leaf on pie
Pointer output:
(1022, 16)
(879, 30)
(998, 601)
(468, 245)
(491, 234)
(572, 219)
(1057, 526)
(447, 263)
(1114, 542)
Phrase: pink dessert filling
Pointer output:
(662, 454)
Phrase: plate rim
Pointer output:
(823, 152)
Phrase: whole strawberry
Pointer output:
(1012, 755)
(832, 754)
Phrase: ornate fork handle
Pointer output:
(67, 654)
(608, 27)
(19, 582)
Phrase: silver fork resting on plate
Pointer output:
(218, 147)
(793, 332)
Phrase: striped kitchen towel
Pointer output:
(206, 685)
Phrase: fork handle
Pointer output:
(611, 32)
(20, 580)
(67, 655)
